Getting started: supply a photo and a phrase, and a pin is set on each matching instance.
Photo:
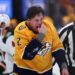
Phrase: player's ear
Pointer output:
(29, 20)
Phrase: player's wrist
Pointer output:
(40, 37)
(64, 65)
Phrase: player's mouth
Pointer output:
(38, 26)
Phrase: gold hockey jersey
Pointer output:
(42, 62)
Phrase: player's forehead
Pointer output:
(38, 16)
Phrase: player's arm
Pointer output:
(58, 51)
(34, 46)
(31, 48)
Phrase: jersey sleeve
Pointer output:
(58, 50)
(57, 44)
(25, 48)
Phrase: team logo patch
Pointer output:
(44, 49)
(22, 27)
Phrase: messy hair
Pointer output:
(33, 11)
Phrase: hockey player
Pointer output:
(6, 46)
(36, 41)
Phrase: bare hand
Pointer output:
(65, 72)
(42, 29)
